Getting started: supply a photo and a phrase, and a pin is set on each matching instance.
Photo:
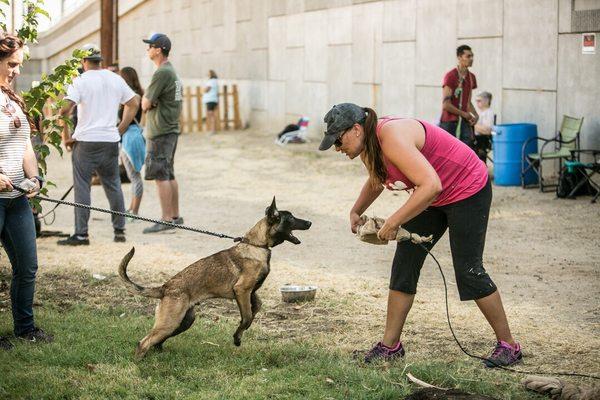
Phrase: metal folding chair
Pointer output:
(566, 140)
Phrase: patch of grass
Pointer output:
(92, 358)
(292, 351)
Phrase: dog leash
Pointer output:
(44, 216)
(133, 216)
(487, 359)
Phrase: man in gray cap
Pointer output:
(162, 103)
(339, 119)
(97, 93)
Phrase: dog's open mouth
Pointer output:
(293, 239)
(300, 225)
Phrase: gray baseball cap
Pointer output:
(340, 118)
(94, 52)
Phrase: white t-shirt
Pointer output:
(486, 118)
(13, 143)
(98, 94)
(212, 96)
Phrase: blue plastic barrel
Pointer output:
(508, 145)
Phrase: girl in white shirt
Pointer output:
(486, 115)
(211, 99)
(483, 127)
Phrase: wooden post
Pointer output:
(188, 105)
(237, 121)
(218, 112)
(199, 108)
(107, 31)
(225, 107)
(115, 41)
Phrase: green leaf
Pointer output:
(42, 12)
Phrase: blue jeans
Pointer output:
(17, 232)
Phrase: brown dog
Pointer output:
(235, 273)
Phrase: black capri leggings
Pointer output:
(467, 221)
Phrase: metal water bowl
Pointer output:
(294, 293)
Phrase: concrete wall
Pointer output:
(299, 57)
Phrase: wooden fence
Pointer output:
(193, 117)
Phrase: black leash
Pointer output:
(487, 359)
(133, 216)
(43, 217)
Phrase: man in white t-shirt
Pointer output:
(98, 93)
(483, 127)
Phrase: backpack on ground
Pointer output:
(568, 180)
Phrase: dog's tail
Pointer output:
(155, 292)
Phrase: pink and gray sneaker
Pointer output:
(504, 355)
(385, 353)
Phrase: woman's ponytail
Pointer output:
(373, 154)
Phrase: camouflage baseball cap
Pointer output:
(338, 119)
(94, 52)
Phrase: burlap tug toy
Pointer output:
(367, 232)
(560, 390)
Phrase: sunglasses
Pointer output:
(10, 110)
(338, 141)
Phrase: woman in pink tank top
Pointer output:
(450, 189)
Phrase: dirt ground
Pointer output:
(542, 252)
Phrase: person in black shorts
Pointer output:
(211, 99)
(450, 190)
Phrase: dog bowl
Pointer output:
(293, 293)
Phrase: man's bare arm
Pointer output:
(146, 104)
(475, 117)
(129, 110)
(66, 111)
(447, 103)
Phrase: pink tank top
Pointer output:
(462, 173)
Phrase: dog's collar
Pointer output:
(244, 240)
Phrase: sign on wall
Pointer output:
(588, 43)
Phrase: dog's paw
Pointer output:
(158, 347)
(237, 341)
(139, 352)
(139, 355)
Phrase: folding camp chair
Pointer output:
(297, 136)
(566, 139)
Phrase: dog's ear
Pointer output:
(271, 211)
